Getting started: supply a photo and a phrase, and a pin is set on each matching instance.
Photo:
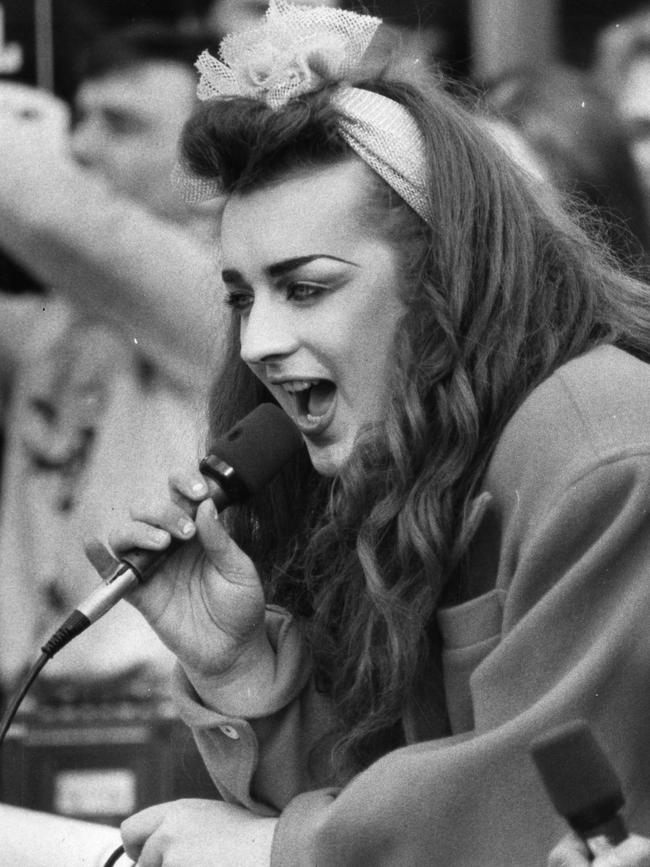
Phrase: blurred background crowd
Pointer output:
(109, 324)
(571, 75)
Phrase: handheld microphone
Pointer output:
(581, 784)
(241, 462)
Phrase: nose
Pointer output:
(86, 143)
(269, 331)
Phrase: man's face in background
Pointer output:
(127, 128)
(634, 104)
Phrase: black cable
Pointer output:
(115, 857)
(10, 713)
(73, 626)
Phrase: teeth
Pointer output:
(299, 385)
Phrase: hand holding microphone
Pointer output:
(203, 596)
(195, 586)
(206, 601)
(209, 584)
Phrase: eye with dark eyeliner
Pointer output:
(239, 301)
(304, 291)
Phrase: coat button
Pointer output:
(230, 732)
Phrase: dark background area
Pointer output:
(76, 21)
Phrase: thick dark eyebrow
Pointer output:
(233, 277)
(279, 269)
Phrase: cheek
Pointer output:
(124, 167)
(380, 361)
(372, 340)
(371, 367)
(641, 152)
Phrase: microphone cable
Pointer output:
(73, 626)
(114, 857)
(15, 703)
(11, 711)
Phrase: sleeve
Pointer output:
(260, 757)
(575, 642)
(18, 319)
(153, 278)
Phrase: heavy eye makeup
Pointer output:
(239, 301)
(301, 292)
(299, 289)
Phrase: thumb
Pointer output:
(224, 554)
(632, 852)
(570, 852)
(100, 557)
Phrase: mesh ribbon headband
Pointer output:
(292, 52)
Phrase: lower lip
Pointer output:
(318, 425)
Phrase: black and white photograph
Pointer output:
(324, 433)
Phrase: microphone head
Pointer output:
(577, 775)
(256, 448)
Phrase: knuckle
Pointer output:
(184, 479)
(177, 479)
(115, 537)
(141, 507)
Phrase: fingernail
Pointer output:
(199, 488)
(186, 526)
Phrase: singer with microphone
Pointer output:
(459, 556)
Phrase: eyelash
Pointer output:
(240, 302)
(313, 291)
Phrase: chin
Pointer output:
(327, 461)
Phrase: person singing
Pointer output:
(459, 559)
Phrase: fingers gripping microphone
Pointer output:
(241, 462)
(581, 784)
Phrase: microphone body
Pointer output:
(582, 785)
(241, 462)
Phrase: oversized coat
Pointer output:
(558, 628)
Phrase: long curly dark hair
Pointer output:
(502, 286)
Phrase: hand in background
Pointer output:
(33, 132)
(572, 852)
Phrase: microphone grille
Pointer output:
(259, 445)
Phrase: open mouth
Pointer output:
(314, 398)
